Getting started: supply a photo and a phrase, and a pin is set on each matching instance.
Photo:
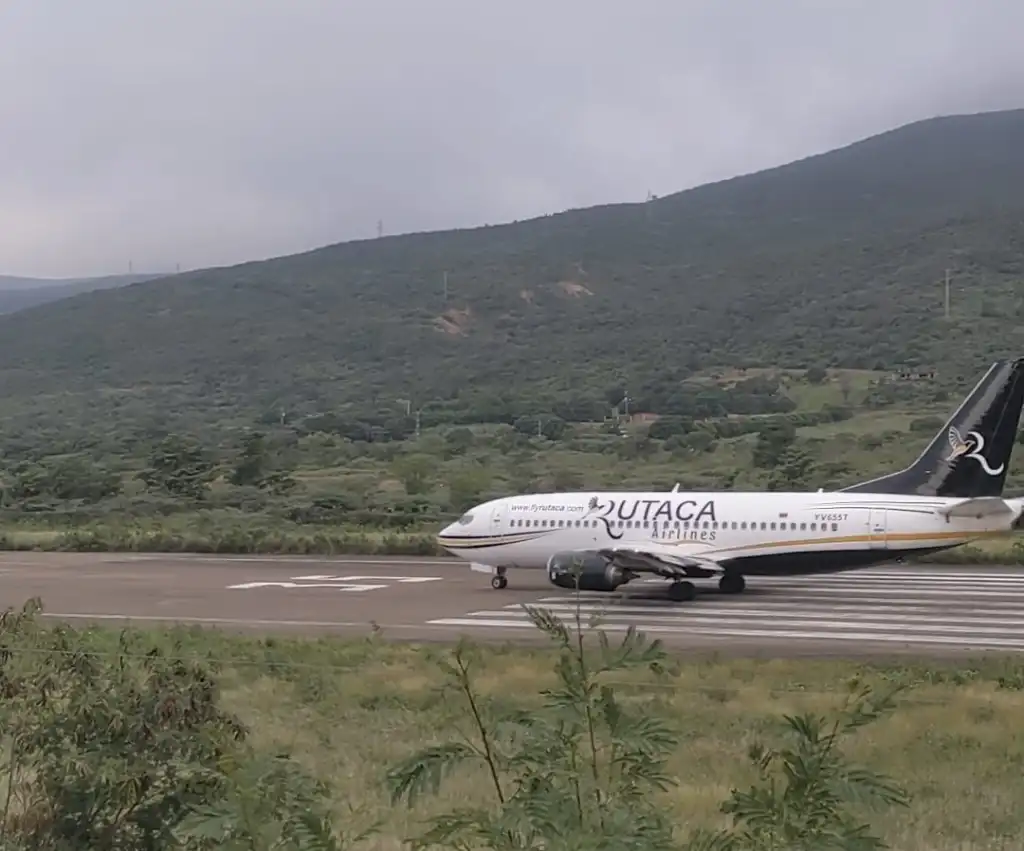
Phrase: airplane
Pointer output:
(598, 541)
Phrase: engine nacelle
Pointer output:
(594, 572)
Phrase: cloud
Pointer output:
(207, 133)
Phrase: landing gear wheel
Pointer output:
(732, 583)
(681, 592)
(499, 582)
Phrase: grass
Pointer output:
(349, 709)
(226, 536)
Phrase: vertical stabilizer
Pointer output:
(971, 455)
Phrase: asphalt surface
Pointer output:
(926, 610)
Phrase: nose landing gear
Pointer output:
(499, 580)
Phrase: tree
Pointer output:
(465, 488)
(772, 441)
(792, 470)
(414, 471)
(809, 790)
(458, 441)
(582, 773)
(62, 480)
(815, 375)
(252, 461)
(181, 467)
(254, 468)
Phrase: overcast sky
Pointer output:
(209, 132)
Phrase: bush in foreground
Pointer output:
(587, 770)
(130, 750)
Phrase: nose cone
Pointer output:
(459, 535)
(448, 535)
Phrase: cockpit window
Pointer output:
(465, 519)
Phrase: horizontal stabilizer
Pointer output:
(982, 506)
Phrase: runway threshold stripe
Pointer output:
(981, 617)
(825, 622)
(865, 637)
(715, 604)
(861, 593)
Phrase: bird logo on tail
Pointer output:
(970, 446)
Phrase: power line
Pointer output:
(947, 293)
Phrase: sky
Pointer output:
(194, 133)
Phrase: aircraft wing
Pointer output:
(669, 561)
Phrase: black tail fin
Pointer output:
(970, 456)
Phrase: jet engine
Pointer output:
(593, 570)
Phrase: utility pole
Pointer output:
(445, 287)
(380, 228)
(947, 294)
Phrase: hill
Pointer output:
(835, 260)
(17, 293)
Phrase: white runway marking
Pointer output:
(971, 610)
(337, 583)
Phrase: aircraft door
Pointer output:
(877, 528)
(497, 518)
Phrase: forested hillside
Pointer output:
(18, 293)
(836, 260)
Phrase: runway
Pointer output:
(923, 609)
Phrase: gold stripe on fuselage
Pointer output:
(479, 542)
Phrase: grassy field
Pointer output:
(230, 534)
(350, 709)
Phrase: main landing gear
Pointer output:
(683, 591)
(499, 580)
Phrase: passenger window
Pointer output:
(773, 527)
(835, 527)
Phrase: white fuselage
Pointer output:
(756, 533)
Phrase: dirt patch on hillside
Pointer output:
(454, 322)
(571, 288)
